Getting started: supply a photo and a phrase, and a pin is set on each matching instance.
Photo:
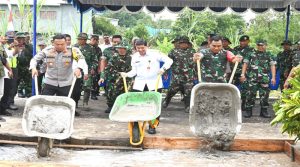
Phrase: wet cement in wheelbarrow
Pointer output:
(49, 119)
(214, 118)
(135, 112)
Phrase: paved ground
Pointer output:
(94, 123)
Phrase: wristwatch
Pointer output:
(242, 75)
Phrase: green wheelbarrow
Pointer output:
(136, 108)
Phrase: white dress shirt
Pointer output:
(146, 68)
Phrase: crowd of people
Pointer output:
(56, 65)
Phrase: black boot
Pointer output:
(264, 113)
(108, 110)
(151, 130)
(248, 113)
(166, 103)
(5, 112)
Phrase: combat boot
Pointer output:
(108, 110)
(166, 103)
(151, 130)
(248, 113)
(264, 113)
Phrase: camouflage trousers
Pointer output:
(281, 81)
(87, 85)
(113, 90)
(252, 88)
(185, 88)
(24, 81)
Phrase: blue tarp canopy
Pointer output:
(177, 5)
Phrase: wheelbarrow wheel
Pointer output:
(136, 132)
(43, 147)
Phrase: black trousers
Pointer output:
(56, 90)
(14, 86)
(7, 89)
(77, 90)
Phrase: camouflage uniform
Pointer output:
(182, 74)
(3, 57)
(284, 64)
(245, 52)
(95, 87)
(92, 61)
(213, 66)
(111, 74)
(25, 78)
(258, 79)
(296, 58)
(107, 55)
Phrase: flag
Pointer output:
(10, 26)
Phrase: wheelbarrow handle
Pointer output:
(157, 82)
(199, 71)
(36, 88)
(72, 86)
(125, 84)
(233, 72)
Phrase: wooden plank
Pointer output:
(292, 151)
(258, 145)
(173, 142)
(74, 146)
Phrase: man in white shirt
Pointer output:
(145, 67)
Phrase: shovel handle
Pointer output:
(72, 86)
(199, 71)
(125, 84)
(36, 85)
(233, 72)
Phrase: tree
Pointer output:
(103, 26)
(130, 19)
(141, 32)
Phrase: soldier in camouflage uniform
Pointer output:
(226, 42)
(284, 61)
(119, 62)
(245, 51)
(214, 60)
(24, 58)
(259, 64)
(105, 58)
(295, 64)
(182, 72)
(94, 43)
(92, 61)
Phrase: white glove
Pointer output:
(123, 74)
(161, 71)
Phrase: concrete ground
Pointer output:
(93, 123)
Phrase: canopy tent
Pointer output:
(177, 5)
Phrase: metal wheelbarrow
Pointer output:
(136, 108)
(215, 111)
(48, 118)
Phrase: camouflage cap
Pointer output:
(226, 39)
(82, 36)
(286, 42)
(20, 35)
(123, 44)
(95, 36)
(176, 39)
(261, 42)
(184, 39)
(244, 38)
